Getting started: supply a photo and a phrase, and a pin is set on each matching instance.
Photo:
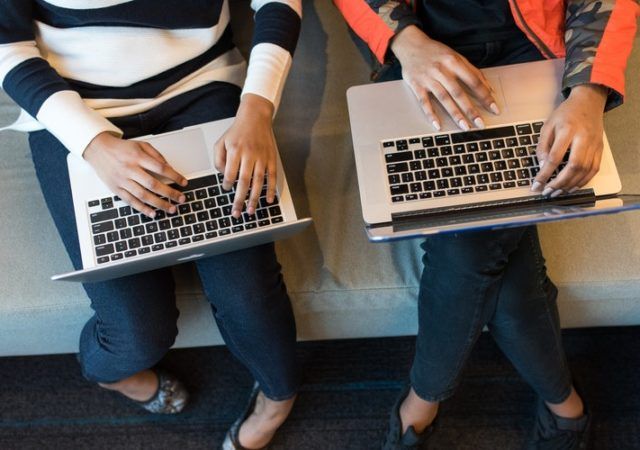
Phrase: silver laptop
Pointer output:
(115, 240)
(415, 181)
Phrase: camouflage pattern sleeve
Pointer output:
(587, 23)
(397, 14)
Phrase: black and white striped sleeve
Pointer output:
(37, 88)
(277, 28)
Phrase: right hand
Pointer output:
(126, 167)
(433, 69)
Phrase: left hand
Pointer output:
(246, 151)
(577, 124)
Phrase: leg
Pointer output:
(526, 326)
(459, 286)
(134, 321)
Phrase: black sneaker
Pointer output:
(410, 440)
(553, 432)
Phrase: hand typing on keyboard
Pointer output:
(433, 69)
(576, 124)
(246, 151)
(126, 167)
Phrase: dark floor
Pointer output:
(349, 387)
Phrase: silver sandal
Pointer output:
(170, 398)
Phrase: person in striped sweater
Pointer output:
(89, 75)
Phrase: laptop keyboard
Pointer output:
(466, 162)
(120, 232)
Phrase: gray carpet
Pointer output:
(348, 389)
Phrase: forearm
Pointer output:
(598, 43)
(277, 28)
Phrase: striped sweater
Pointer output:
(71, 64)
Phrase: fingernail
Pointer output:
(152, 215)
(184, 182)
(172, 210)
(547, 191)
(536, 186)
(556, 193)
(436, 125)
(541, 164)
(463, 124)
(182, 199)
(494, 108)
(573, 189)
(479, 122)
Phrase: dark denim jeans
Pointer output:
(490, 278)
(135, 317)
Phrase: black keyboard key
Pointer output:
(265, 222)
(201, 193)
(184, 208)
(227, 231)
(416, 187)
(100, 239)
(427, 141)
(130, 253)
(458, 149)
(537, 126)
(527, 162)
(184, 241)
(186, 231)
(442, 184)
(446, 172)
(420, 154)
(397, 168)
(473, 168)
(94, 203)
(224, 222)
(104, 250)
(461, 170)
(164, 225)
(133, 221)
(455, 182)
(487, 167)
(202, 216)
(433, 174)
(189, 195)
(446, 150)
(495, 186)
(524, 128)
(500, 165)
(116, 257)
(415, 165)
(171, 244)
(521, 151)
(428, 164)
(473, 147)
(198, 238)
(511, 142)
(262, 213)
(522, 183)
(146, 219)
(469, 180)
(485, 145)
(160, 237)
(210, 203)
(535, 139)
(213, 191)
(513, 164)
(455, 160)
(439, 193)
(126, 233)
(442, 139)
(498, 143)
(467, 190)
(102, 227)
(453, 192)
(144, 250)
(420, 175)
(198, 228)
(125, 211)
(388, 144)
(138, 231)
(237, 228)
(197, 206)
(482, 157)
(429, 185)
(147, 240)
(523, 174)
(134, 243)
(483, 178)
(433, 152)
(468, 159)
(509, 184)
(160, 214)
(107, 203)
(212, 225)
(414, 140)
(402, 144)
(211, 235)
(250, 226)
(399, 189)
(215, 213)
(104, 215)
(494, 155)
(157, 247)
(509, 175)
(478, 135)
(525, 140)
(173, 234)
(481, 188)
(274, 211)
(442, 162)
(189, 219)
(507, 153)
(152, 227)
(104, 259)
(496, 177)
(112, 236)
(398, 157)
(407, 177)
(121, 246)
(425, 195)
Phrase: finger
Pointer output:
(579, 163)
(547, 135)
(478, 85)
(163, 169)
(591, 172)
(231, 168)
(143, 186)
(242, 189)
(220, 155)
(272, 181)
(152, 184)
(449, 104)
(151, 151)
(135, 203)
(553, 160)
(427, 107)
(256, 189)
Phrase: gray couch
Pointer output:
(341, 285)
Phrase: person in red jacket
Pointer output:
(498, 278)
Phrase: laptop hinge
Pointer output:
(578, 197)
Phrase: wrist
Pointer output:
(253, 104)
(406, 39)
(595, 94)
(98, 143)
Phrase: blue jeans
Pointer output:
(135, 317)
(490, 278)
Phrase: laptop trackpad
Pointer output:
(186, 150)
